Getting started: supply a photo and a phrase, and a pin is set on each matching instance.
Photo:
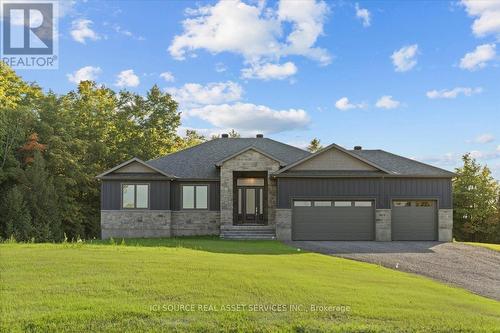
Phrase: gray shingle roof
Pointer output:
(198, 162)
(399, 165)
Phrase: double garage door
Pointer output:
(355, 220)
(333, 220)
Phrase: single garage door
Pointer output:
(332, 220)
(414, 220)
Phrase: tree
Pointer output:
(475, 201)
(314, 145)
(15, 219)
(233, 134)
(192, 138)
(42, 201)
(76, 136)
(14, 91)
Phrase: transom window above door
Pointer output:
(250, 182)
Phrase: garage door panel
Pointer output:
(333, 223)
(414, 223)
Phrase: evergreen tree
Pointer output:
(475, 201)
(42, 201)
(314, 145)
(15, 219)
(233, 134)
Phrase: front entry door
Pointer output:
(250, 205)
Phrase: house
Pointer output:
(262, 188)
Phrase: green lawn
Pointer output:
(494, 247)
(141, 286)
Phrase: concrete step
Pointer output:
(249, 236)
(248, 232)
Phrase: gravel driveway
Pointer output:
(474, 268)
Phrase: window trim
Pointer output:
(194, 197)
(135, 196)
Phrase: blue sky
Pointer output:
(417, 78)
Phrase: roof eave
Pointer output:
(285, 175)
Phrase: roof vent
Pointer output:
(259, 136)
(225, 135)
(357, 147)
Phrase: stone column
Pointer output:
(383, 223)
(445, 225)
(283, 224)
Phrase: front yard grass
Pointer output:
(150, 285)
(494, 247)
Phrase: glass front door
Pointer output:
(250, 205)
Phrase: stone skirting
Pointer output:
(135, 223)
(445, 225)
(195, 223)
(383, 223)
(284, 224)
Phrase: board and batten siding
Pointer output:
(159, 194)
(383, 190)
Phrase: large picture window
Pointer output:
(135, 196)
(195, 197)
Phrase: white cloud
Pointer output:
(255, 32)
(269, 71)
(213, 93)
(87, 73)
(220, 67)
(81, 31)
(479, 57)
(487, 15)
(484, 138)
(453, 93)
(127, 78)
(485, 155)
(127, 33)
(404, 59)
(387, 102)
(364, 15)
(447, 159)
(498, 148)
(247, 117)
(307, 19)
(344, 104)
(167, 76)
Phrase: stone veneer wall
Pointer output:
(195, 223)
(249, 160)
(445, 225)
(135, 223)
(158, 223)
(383, 224)
(284, 224)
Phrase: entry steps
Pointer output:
(248, 232)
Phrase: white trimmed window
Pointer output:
(135, 196)
(194, 196)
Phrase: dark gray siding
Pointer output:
(159, 194)
(383, 190)
(213, 193)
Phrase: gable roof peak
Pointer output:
(340, 148)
